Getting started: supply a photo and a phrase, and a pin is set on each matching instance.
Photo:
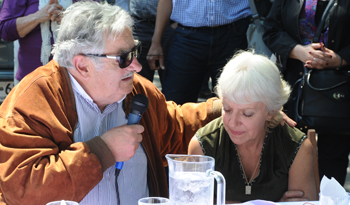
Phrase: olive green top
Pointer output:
(279, 150)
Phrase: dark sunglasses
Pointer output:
(124, 60)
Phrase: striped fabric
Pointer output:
(198, 13)
(132, 180)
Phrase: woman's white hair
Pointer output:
(84, 29)
(250, 77)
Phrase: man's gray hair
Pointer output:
(84, 29)
(250, 77)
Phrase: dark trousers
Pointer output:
(143, 31)
(196, 52)
(333, 153)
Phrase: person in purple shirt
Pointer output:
(22, 20)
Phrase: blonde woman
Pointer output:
(259, 158)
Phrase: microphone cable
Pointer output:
(138, 105)
(116, 173)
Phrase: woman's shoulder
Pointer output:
(212, 127)
(209, 137)
(288, 132)
(287, 141)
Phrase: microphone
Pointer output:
(138, 106)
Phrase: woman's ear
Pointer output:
(82, 65)
(270, 115)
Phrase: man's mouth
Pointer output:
(128, 75)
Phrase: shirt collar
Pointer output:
(77, 88)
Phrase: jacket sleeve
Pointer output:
(38, 160)
(183, 121)
(339, 30)
(276, 37)
(172, 125)
(10, 11)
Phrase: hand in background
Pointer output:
(286, 119)
(324, 58)
(49, 12)
(303, 52)
(155, 53)
(26, 24)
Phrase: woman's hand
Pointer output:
(293, 196)
(303, 52)
(49, 12)
(324, 58)
(317, 56)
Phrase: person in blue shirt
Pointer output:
(207, 35)
(144, 14)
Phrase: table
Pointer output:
(299, 203)
(280, 203)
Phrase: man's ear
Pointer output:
(82, 65)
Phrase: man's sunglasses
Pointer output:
(124, 60)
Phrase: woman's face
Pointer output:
(244, 123)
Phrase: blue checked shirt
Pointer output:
(198, 13)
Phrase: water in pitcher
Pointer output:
(191, 188)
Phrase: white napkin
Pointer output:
(331, 192)
(331, 187)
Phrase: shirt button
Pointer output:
(301, 73)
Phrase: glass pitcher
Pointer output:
(191, 180)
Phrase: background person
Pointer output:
(206, 37)
(259, 158)
(290, 27)
(31, 22)
(144, 14)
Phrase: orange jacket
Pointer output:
(39, 161)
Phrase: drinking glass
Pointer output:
(154, 200)
(63, 202)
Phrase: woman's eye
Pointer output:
(226, 111)
(247, 115)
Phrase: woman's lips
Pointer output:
(236, 132)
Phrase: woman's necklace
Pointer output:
(248, 187)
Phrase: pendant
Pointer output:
(248, 190)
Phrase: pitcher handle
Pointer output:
(221, 186)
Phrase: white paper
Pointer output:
(331, 187)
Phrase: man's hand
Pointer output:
(286, 119)
(123, 141)
(293, 196)
(155, 53)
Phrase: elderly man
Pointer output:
(62, 128)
